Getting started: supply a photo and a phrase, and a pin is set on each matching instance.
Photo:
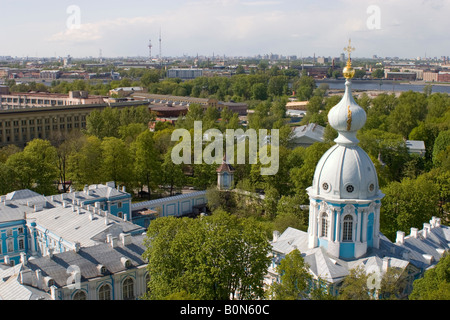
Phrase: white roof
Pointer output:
(12, 289)
(311, 132)
(162, 201)
(290, 239)
(25, 197)
(71, 226)
(332, 269)
(12, 212)
(415, 145)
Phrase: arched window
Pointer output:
(128, 289)
(324, 232)
(80, 295)
(104, 293)
(348, 228)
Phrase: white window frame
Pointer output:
(347, 228)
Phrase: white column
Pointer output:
(364, 226)
(332, 229)
(338, 222)
(358, 226)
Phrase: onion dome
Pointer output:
(346, 171)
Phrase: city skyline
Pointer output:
(80, 28)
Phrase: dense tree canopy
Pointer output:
(218, 257)
(435, 285)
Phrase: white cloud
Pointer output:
(247, 27)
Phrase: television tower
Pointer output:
(150, 49)
(160, 46)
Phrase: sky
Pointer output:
(81, 28)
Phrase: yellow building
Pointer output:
(21, 125)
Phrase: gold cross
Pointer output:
(349, 49)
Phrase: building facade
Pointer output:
(184, 74)
(21, 125)
(190, 203)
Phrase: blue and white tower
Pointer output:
(345, 198)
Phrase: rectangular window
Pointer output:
(10, 245)
(347, 232)
(21, 244)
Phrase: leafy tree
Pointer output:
(116, 164)
(440, 145)
(129, 133)
(437, 105)
(289, 214)
(393, 284)
(435, 284)
(301, 177)
(390, 148)
(204, 176)
(408, 204)
(411, 109)
(7, 179)
(354, 286)
(211, 258)
(150, 76)
(70, 144)
(426, 132)
(277, 85)
(195, 113)
(35, 167)
(111, 122)
(295, 278)
(84, 164)
(378, 74)
(259, 91)
(172, 174)
(305, 87)
(95, 123)
(147, 167)
(7, 151)
(359, 74)
(219, 199)
(240, 69)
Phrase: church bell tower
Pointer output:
(345, 199)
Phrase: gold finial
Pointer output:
(348, 71)
(349, 119)
(349, 49)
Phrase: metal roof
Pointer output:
(89, 259)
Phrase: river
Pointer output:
(383, 85)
